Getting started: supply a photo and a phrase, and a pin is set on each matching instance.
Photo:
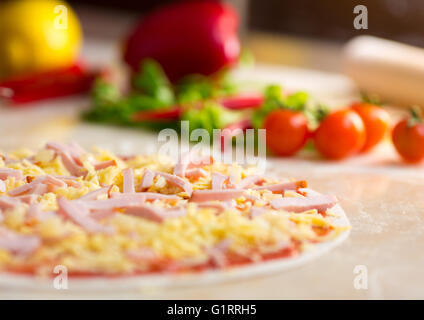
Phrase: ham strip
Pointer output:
(248, 181)
(2, 186)
(154, 214)
(281, 187)
(70, 165)
(6, 173)
(128, 183)
(105, 164)
(114, 203)
(74, 150)
(219, 206)
(27, 198)
(256, 211)
(102, 214)
(177, 181)
(142, 196)
(8, 203)
(35, 212)
(196, 173)
(147, 180)
(218, 253)
(17, 243)
(93, 195)
(52, 180)
(186, 162)
(38, 189)
(218, 180)
(320, 202)
(23, 189)
(41, 180)
(80, 215)
(220, 195)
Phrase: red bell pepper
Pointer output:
(49, 84)
(186, 38)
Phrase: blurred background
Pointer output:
(299, 33)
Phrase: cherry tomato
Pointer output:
(376, 121)
(340, 134)
(408, 139)
(286, 132)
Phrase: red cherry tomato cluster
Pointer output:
(340, 134)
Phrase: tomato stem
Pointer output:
(416, 117)
(370, 98)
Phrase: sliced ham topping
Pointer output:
(1, 215)
(113, 203)
(142, 196)
(105, 164)
(27, 198)
(301, 204)
(281, 187)
(79, 214)
(74, 150)
(102, 214)
(218, 180)
(191, 160)
(182, 164)
(220, 195)
(2, 186)
(37, 186)
(147, 180)
(52, 180)
(93, 195)
(23, 189)
(218, 253)
(256, 211)
(71, 165)
(7, 172)
(8, 203)
(200, 161)
(195, 173)
(177, 181)
(38, 189)
(219, 206)
(155, 214)
(17, 243)
(35, 212)
(248, 181)
(128, 183)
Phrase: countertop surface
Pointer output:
(381, 197)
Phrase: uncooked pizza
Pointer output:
(101, 214)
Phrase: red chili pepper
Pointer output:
(171, 114)
(186, 38)
(50, 84)
(245, 101)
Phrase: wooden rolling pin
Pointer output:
(392, 70)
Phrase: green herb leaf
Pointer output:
(152, 81)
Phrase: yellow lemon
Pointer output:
(37, 35)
